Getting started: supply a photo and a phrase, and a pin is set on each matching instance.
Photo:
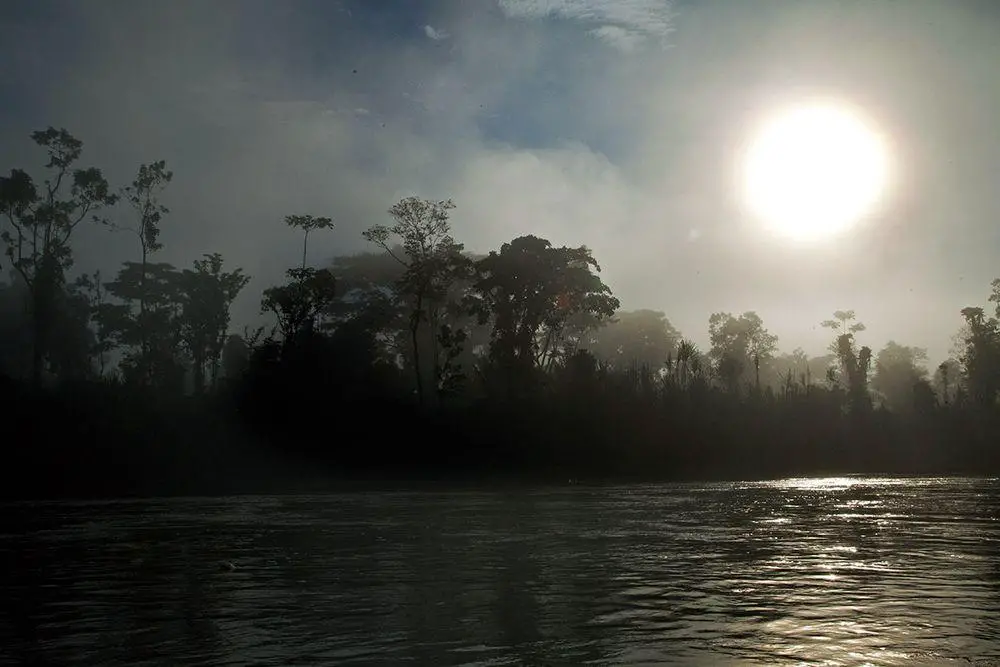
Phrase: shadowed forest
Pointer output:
(423, 359)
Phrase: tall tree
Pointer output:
(142, 194)
(433, 262)
(207, 293)
(40, 224)
(843, 322)
(307, 223)
(529, 290)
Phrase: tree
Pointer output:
(90, 287)
(528, 291)
(433, 262)
(142, 194)
(207, 293)
(41, 222)
(947, 381)
(685, 363)
(898, 371)
(152, 344)
(307, 223)
(235, 356)
(643, 337)
(855, 364)
(300, 303)
(981, 356)
(843, 322)
(739, 344)
(15, 328)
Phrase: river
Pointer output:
(837, 571)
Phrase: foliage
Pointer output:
(307, 223)
(740, 346)
(301, 302)
(642, 337)
(981, 355)
(433, 264)
(899, 373)
(520, 360)
(207, 293)
(150, 338)
(528, 292)
(40, 222)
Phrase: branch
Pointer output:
(72, 225)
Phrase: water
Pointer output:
(835, 571)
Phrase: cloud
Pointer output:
(434, 34)
(621, 23)
(618, 37)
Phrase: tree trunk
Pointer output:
(198, 374)
(305, 245)
(414, 339)
(143, 339)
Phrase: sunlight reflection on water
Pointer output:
(831, 571)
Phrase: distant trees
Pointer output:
(899, 375)
(641, 337)
(439, 338)
(740, 345)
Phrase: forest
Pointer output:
(423, 360)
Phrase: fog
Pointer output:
(615, 124)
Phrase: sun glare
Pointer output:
(813, 172)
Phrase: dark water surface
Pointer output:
(818, 571)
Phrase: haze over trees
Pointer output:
(421, 356)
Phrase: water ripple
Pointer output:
(840, 571)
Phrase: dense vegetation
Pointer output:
(421, 359)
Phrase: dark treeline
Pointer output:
(420, 359)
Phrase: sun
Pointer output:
(814, 171)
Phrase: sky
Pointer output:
(615, 124)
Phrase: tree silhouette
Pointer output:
(739, 344)
(307, 223)
(898, 371)
(143, 196)
(432, 262)
(207, 293)
(528, 291)
(843, 323)
(643, 337)
(981, 356)
(153, 343)
(41, 222)
(300, 303)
